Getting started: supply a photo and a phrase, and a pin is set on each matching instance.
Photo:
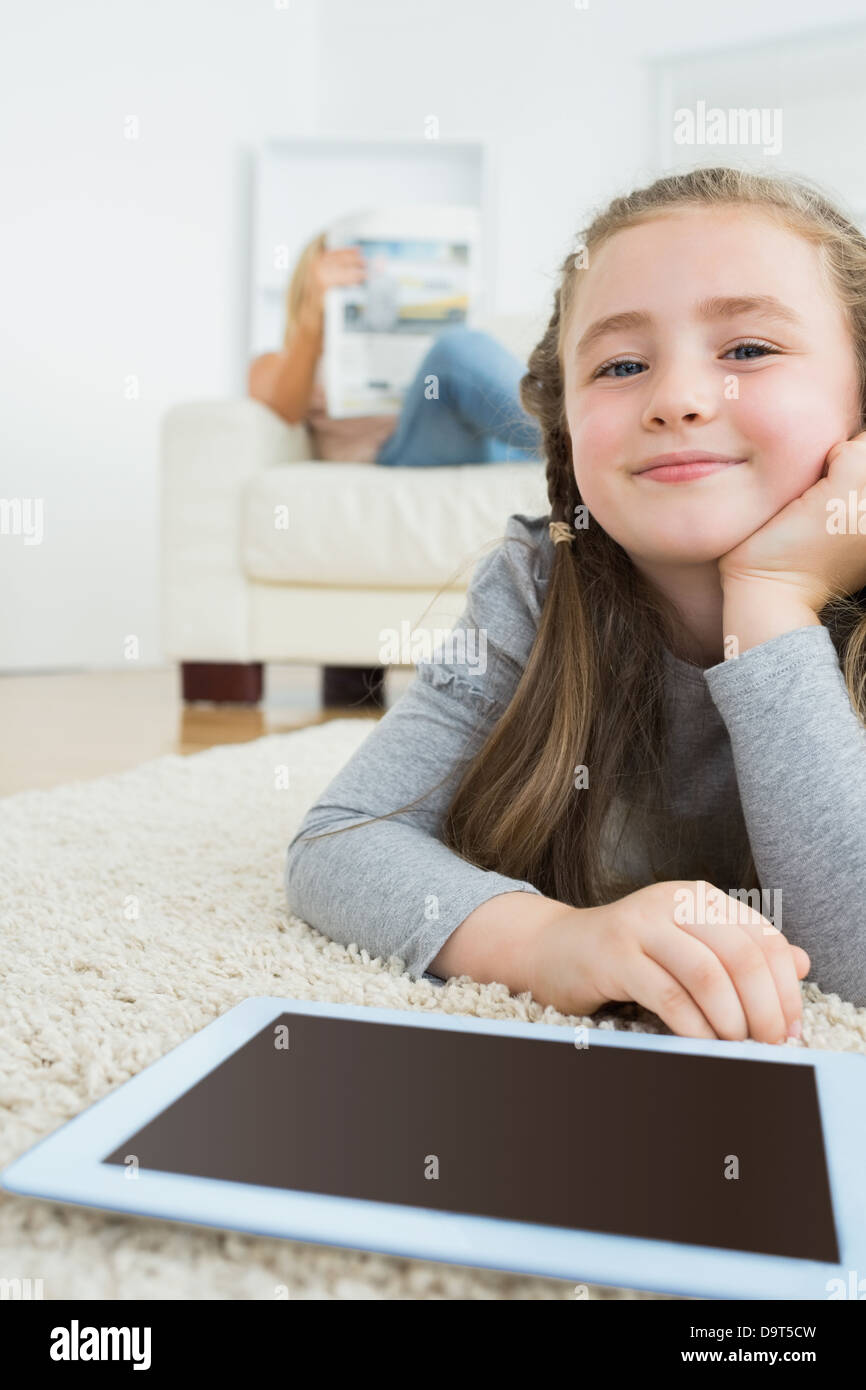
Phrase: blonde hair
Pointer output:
(295, 291)
(592, 691)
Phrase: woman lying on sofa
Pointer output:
(476, 417)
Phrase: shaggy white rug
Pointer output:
(92, 993)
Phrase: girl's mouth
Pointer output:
(686, 472)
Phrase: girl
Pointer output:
(476, 418)
(662, 709)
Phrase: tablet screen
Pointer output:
(702, 1150)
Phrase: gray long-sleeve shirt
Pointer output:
(765, 749)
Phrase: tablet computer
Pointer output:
(701, 1168)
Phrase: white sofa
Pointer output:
(268, 555)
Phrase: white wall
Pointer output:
(129, 258)
(121, 257)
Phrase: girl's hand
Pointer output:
(733, 980)
(344, 266)
(801, 547)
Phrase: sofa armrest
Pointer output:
(209, 450)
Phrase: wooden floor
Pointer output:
(71, 727)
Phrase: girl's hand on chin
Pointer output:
(813, 546)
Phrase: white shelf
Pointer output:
(301, 184)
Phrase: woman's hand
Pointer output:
(734, 980)
(344, 266)
(812, 549)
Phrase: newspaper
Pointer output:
(422, 277)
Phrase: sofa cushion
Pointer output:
(359, 524)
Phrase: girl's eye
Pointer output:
(618, 362)
(763, 348)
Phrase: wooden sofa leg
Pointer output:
(355, 687)
(223, 682)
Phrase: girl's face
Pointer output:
(692, 384)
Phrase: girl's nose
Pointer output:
(681, 395)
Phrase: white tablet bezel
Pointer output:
(63, 1167)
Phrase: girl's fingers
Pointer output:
(696, 968)
(764, 980)
(782, 963)
(650, 985)
(735, 942)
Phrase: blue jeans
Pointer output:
(477, 417)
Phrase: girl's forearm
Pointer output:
(284, 380)
(756, 610)
(498, 939)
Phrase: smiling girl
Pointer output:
(672, 709)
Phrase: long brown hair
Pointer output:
(591, 693)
